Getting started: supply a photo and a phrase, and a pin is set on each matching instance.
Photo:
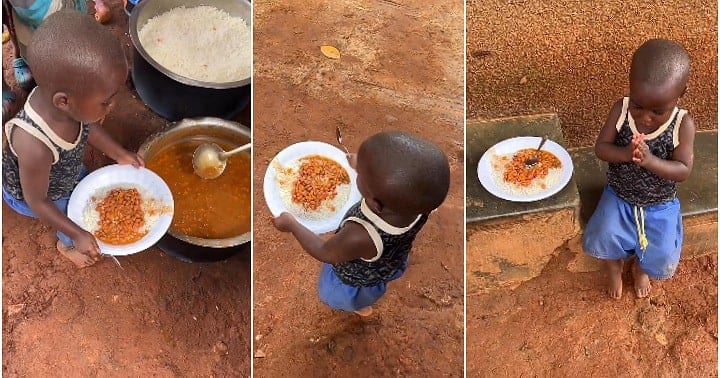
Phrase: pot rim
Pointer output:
(200, 122)
(133, 26)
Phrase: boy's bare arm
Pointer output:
(350, 243)
(101, 140)
(35, 162)
(678, 169)
(605, 147)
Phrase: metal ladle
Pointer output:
(209, 160)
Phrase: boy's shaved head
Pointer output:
(71, 51)
(659, 62)
(412, 174)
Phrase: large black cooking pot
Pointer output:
(192, 253)
(186, 247)
(176, 97)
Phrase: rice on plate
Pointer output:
(313, 187)
(511, 175)
(202, 43)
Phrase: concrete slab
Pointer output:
(511, 242)
(483, 134)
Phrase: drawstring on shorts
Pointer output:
(640, 224)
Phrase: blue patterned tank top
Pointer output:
(633, 183)
(67, 156)
(392, 243)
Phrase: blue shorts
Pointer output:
(342, 296)
(612, 234)
(21, 207)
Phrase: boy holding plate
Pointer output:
(402, 178)
(79, 67)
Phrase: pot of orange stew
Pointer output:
(211, 219)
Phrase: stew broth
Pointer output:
(208, 209)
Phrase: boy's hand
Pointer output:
(284, 222)
(86, 244)
(131, 158)
(352, 160)
(642, 155)
(632, 147)
(629, 151)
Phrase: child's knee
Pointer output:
(661, 266)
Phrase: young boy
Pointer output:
(648, 143)
(401, 178)
(79, 67)
(22, 17)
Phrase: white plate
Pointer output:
(122, 175)
(512, 145)
(299, 150)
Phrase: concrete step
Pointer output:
(510, 242)
(483, 134)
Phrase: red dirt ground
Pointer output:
(157, 317)
(572, 57)
(401, 69)
(561, 323)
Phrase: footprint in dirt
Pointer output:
(651, 319)
(351, 338)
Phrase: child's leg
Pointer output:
(341, 296)
(65, 243)
(20, 207)
(614, 276)
(663, 227)
(79, 259)
(367, 311)
(641, 282)
(609, 235)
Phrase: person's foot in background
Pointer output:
(129, 5)
(23, 76)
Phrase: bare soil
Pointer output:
(560, 323)
(400, 69)
(158, 316)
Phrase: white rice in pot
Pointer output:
(202, 43)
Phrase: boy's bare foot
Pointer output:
(614, 272)
(81, 260)
(365, 311)
(642, 282)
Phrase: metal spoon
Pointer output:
(113, 259)
(338, 134)
(209, 160)
(534, 160)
